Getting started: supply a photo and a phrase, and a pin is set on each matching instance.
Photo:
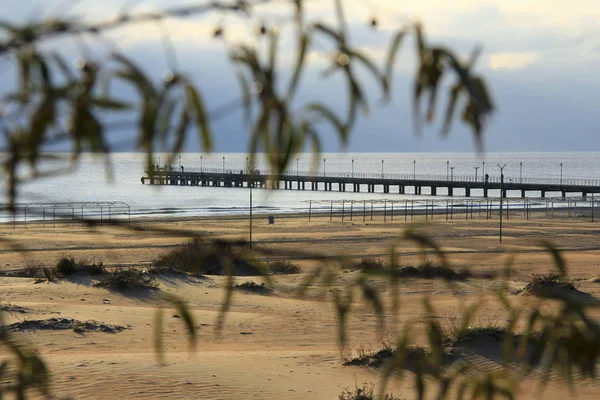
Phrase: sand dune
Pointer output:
(272, 346)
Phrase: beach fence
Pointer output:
(49, 213)
(585, 207)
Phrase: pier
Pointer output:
(372, 182)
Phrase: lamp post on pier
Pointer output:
(297, 170)
(324, 160)
(452, 174)
(250, 184)
(560, 174)
(414, 170)
(447, 170)
(200, 164)
(353, 167)
(483, 170)
(476, 168)
(381, 169)
(501, 195)
(521, 172)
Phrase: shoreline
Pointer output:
(454, 212)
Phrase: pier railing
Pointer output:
(388, 176)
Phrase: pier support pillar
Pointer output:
(467, 192)
(504, 193)
(522, 193)
(543, 193)
(450, 191)
(485, 192)
(564, 194)
(433, 191)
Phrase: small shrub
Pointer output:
(365, 392)
(33, 270)
(253, 287)
(125, 279)
(431, 271)
(369, 264)
(283, 268)
(91, 268)
(200, 257)
(550, 285)
(66, 266)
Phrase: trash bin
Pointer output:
(271, 220)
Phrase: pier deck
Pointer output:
(371, 183)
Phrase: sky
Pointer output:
(540, 59)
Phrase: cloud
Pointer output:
(512, 61)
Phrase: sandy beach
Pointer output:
(277, 345)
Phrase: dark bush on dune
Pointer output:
(369, 265)
(67, 266)
(550, 285)
(430, 271)
(364, 392)
(426, 271)
(200, 257)
(283, 268)
(126, 279)
(253, 287)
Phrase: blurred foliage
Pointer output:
(53, 102)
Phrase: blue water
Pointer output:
(90, 182)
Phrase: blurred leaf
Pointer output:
(134, 75)
(41, 120)
(8, 26)
(328, 31)
(184, 312)
(330, 116)
(371, 294)
(454, 92)
(110, 104)
(392, 52)
(557, 258)
(158, 335)
(381, 78)
(197, 105)
(246, 96)
(303, 43)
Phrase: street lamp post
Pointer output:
(250, 184)
(200, 164)
(476, 168)
(353, 167)
(483, 170)
(324, 160)
(297, 171)
(158, 161)
(447, 169)
(501, 195)
(414, 170)
(223, 164)
(179, 162)
(381, 169)
(452, 174)
(560, 174)
(521, 172)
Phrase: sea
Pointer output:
(97, 179)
